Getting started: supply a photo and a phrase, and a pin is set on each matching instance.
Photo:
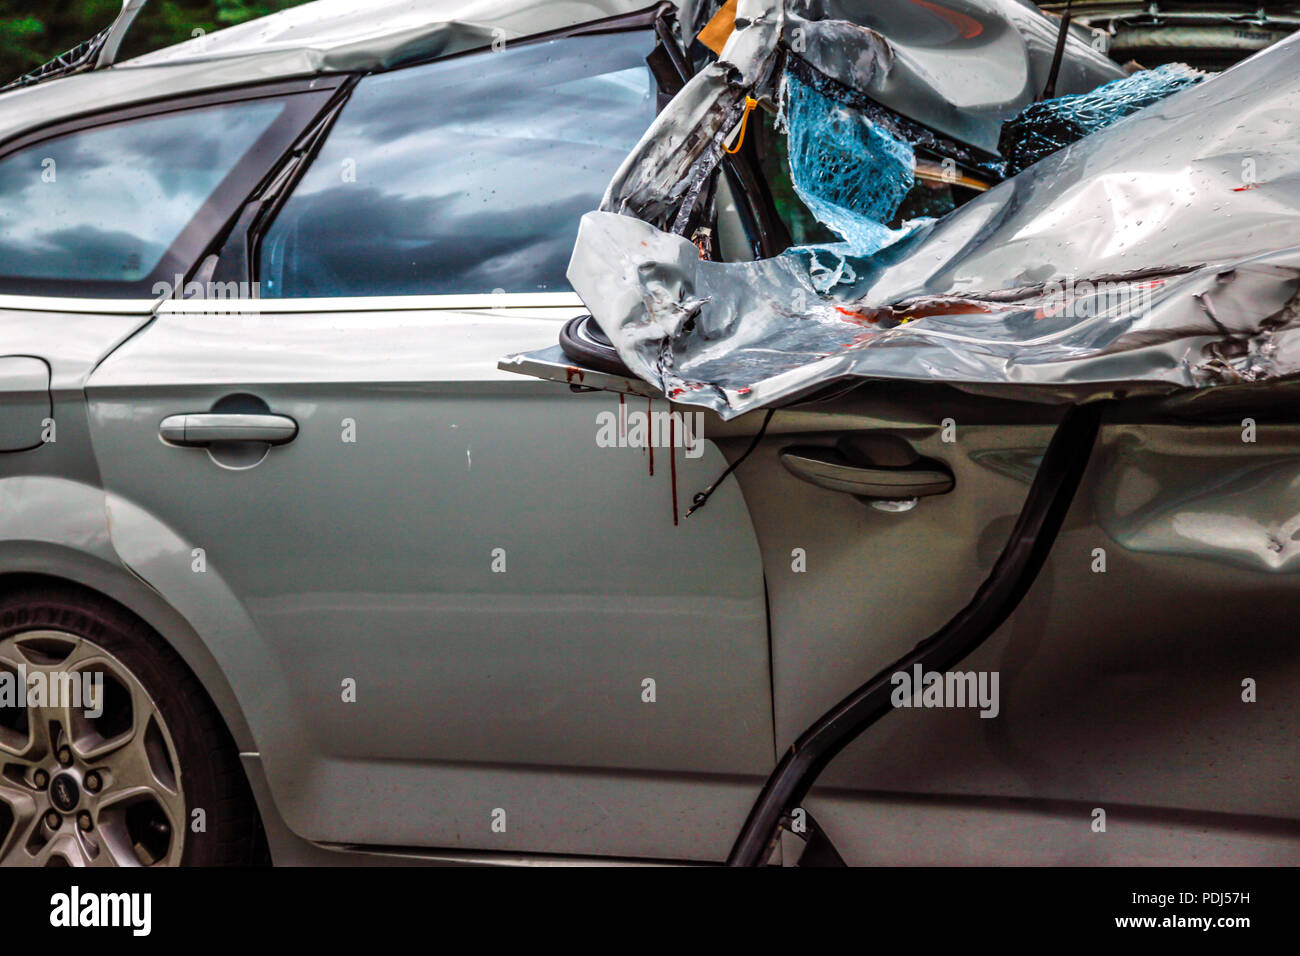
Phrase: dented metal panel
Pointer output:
(1161, 252)
(959, 66)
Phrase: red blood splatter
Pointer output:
(857, 316)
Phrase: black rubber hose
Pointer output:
(1046, 505)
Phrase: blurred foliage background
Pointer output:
(34, 31)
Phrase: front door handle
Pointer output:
(207, 428)
(829, 468)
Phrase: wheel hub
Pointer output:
(65, 792)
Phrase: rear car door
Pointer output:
(455, 615)
(97, 213)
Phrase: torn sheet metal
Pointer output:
(552, 365)
(662, 179)
(958, 67)
(961, 67)
(1160, 252)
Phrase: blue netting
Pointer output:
(1045, 127)
(850, 173)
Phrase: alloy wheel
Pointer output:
(87, 778)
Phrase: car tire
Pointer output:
(583, 341)
(177, 757)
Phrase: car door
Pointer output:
(1138, 707)
(459, 608)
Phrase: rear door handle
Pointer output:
(828, 468)
(210, 427)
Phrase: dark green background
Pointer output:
(34, 31)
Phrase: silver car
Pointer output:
(294, 567)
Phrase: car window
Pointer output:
(104, 205)
(466, 175)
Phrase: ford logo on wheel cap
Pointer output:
(64, 792)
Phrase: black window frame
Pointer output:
(304, 101)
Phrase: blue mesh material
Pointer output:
(1045, 127)
(850, 173)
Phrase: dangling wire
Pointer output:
(702, 497)
(750, 103)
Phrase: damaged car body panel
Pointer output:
(1124, 673)
(959, 66)
(1153, 254)
(681, 150)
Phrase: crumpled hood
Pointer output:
(1161, 252)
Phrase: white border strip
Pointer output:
(45, 303)
(383, 303)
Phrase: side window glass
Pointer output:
(467, 175)
(103, 206)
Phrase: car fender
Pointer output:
(63, 528)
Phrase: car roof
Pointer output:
(327, 36)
